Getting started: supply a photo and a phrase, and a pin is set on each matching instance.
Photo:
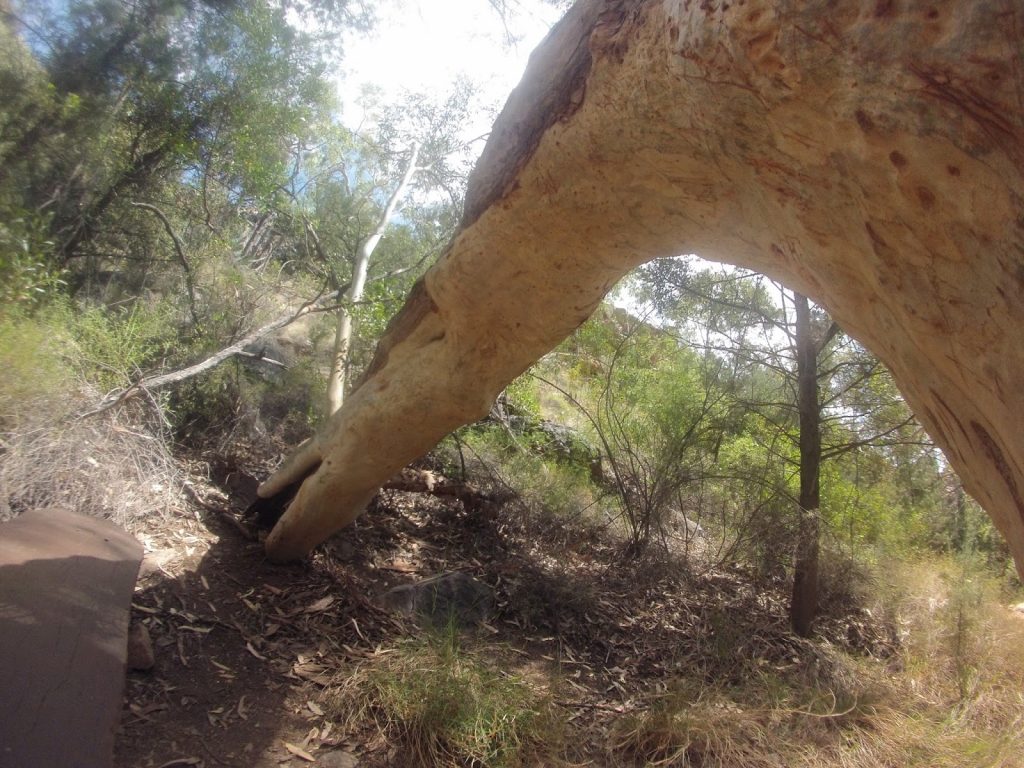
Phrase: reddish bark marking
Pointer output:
(416, 308)
(949, 411)
(995, 453)
(876, 240)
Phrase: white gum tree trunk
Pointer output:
(342, 352)
(867, 154)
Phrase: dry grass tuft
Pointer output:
(699, 727)
(962, 694)
(116, 465)
(442, 705)
(767, 722)
(953, 699)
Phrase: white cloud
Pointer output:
(424, 46)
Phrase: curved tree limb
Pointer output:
(869, 155)
(179, 249)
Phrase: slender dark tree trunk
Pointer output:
(85, 226)
(805, 579)
(960, 528)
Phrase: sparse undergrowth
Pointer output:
(116, 464)
(743, 692)
(440, 703)
(591, 662)
(659, 661)
(914, 710)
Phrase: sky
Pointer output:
(424, 45)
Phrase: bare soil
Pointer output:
(245, 650)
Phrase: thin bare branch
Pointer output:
(179, 249)
(147, 384)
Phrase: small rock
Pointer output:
(448, 598)
(140, 648)
(1019, 607)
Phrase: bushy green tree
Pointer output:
(819, 395)
(184, 158)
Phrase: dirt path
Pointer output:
(245, 650)
(233, 647)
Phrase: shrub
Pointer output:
(547, 487)
(845, 583)
(34, 377)
(115, 465)
(26, 276)
(113, 347)
(234, 403)
(443, 705)
(691, 725)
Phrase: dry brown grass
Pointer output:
(955, 699)
(116, 465)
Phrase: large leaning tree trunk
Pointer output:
(868, 154)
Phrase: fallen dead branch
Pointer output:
(150, 383)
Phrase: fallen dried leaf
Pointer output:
(299, 752)
(325, 732)
(143, 713)
(198, 630)
(250, 649)
(320, 605)
(178, 762)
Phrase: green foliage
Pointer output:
(60, 353)
(548, 482)
(113, 348)
(243, 402)
(444, 705)
(127, 100)
(178, 170)
(27, 276)
(34, 376)
(880, 481)
(523, 397)
(748, 501)
(654, 410)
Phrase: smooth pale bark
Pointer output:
(867, 154)
(342, 352)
